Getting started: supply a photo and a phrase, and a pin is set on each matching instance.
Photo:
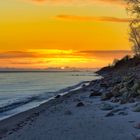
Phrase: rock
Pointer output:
(130, 83)
(94, 93)
(109, 89)
(102, 90)
(131, 100)
(83, 85)
(137, 108)
(136, 86)
(106, 96)
(120, 111)
(80, 104)
(137, 126)
(133, 94)
(109, 114)
(125, 78)
(57, 96)
(104, 84)
(117, 110)
(115, 91)
(122, 90)
(137, 137)
(131, 121)
(115, 100)
(135, 105)
(138, 91)
(123, 113)
(106, 106)
(117, 80)
(123, 100)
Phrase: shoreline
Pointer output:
(60, 92)
(86, 114)
(32, 113)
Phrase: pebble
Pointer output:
(137, 126)
(58, 96)
(109, 114)
(123, 113)
(137, 108)
(95, 94)
(106, 106)
(80, 104)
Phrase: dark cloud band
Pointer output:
(116, 2)
(92, 18)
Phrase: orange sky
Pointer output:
(74, 33)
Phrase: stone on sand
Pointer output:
(106, 106)
(80, 104)
(94, 93)
(137, 108)
(137, 126)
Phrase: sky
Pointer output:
(61, 33)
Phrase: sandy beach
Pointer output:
(75, 116)
(70, 70)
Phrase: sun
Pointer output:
(62, 68)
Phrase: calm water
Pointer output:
(23, 90)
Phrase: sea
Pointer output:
(21, 91)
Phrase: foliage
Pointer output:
(121, 62)
(133, 9)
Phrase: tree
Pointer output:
(134, 12)
(115, 61)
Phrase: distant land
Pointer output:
(53, 69)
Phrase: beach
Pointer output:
(70, 70)
(21, 91)
(78, 115)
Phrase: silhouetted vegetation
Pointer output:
(118, 62)
(122, 64)
(134, 12)
(133, 8)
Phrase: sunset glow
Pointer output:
(42, 34)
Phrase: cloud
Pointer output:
(49, 54)
(92, 18)
(70, 2)
(39, 53)
(17, 54)
(57, 58)
(120, 2)
(28, 62)
(107, 54)
(106, 51)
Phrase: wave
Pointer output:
(17, 104)
(40, 97)
(93, 74)
(74, 87)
